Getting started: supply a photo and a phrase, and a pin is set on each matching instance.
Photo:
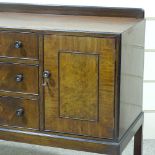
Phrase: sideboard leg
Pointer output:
(138, 140)
(117, 151)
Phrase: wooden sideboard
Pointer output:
(72, 76)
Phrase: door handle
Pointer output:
(46, 76)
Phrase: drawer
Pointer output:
(22, 45)
(19, 112)
(19, 78)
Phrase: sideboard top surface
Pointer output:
(52, 22)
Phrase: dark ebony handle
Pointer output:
(19, 112)
(19, 77)
(18, 44)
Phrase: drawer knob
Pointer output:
(18, 44)
(19, 77)
(46, 74)
(19, 112)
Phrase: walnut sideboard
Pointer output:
(72, 76)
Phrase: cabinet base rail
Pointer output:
(98, 146)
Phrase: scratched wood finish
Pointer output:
(8, 108)
(105, 48)
(78, 83)
(29, 47)
(8, 73)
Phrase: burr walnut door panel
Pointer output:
(79, 93)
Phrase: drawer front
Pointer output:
(22, 45)
(19, 78)
(19, 112)
(79, 96)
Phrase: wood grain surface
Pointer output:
(131, 84)
(92, 100)
(8, 108)
(51, 22)
(72, 10)
(105, 146)
(8, 73)
(29, 47)
(105, 48)
(78, 83)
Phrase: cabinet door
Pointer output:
(79, 95)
